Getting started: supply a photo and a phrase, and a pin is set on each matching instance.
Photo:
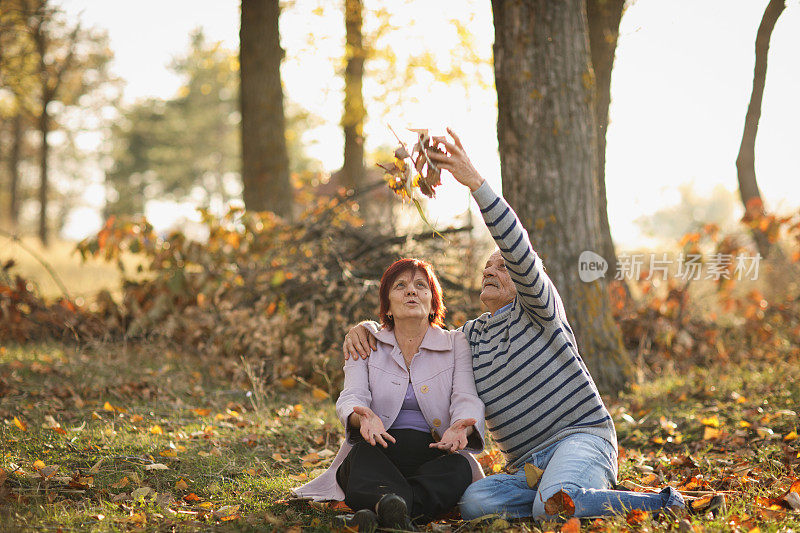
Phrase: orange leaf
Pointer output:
(712, 433)
(201, 412)
(156, 430)
(288, 383)
(573, 525)
(22, 426)
(38, 464)
(559, 503)
(192, 497)
(319, 394)
(637, 516)
(181, 484)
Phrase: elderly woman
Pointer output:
(411, 412)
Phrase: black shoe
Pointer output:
(363, 521)
(715, 506)
(393, 513)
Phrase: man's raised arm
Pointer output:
(536, 291)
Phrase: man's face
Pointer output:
(497, 287)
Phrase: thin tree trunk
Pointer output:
(745, 162)
(265, 162)
(603, 18)
(13, 169)
(548, 150)
(354, 112)
(44, 129)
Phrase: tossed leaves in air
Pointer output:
(428, 176)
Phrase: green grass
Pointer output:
(236, 459)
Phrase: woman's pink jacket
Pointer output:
(441, 374)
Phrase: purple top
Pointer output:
(410, 416)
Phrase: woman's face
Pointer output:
(410, 296)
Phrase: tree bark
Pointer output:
(13, 168)
(603, 17)
(745, 161)
(353, 174)
(265, 163)
(548, 151)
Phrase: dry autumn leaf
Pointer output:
(559, 503)
(573, 525)
(141, 492)
(122, 483)
(181, 484)
(319, 394)
(637, 516)
(22, 426)
(156, 430)
(533, 474)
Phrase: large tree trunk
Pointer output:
(745, 162)
(353, 174)
(603, 18)
(548, 151)
(265, 163)
(13, 169)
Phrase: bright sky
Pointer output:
(680, 88)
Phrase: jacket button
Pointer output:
(437, 422)
(424, 389)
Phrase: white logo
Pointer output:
(591, 266)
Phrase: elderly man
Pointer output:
(542, 406)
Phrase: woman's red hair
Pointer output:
(401, 266)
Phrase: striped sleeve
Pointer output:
(536, 291)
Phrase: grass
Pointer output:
(82, 280)
(229, 458)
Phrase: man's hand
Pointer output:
(371, 427)
(455, 438)
(456, 161)
(358, 342)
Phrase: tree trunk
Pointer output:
(548, 150)
(13, 169)
(745, 162)
(44, 129)
(265, 163)
(603, 18)
(354, 112)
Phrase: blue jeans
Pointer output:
(582, 465)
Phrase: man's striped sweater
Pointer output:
(528, 371)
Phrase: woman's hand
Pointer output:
(455, 438)
(456, 161)
(371, 427)
(358, 341)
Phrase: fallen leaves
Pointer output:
(22, 426)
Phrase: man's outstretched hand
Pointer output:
(455, 161)
(456, 436)
(358, 342)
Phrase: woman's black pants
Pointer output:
(430, 480)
